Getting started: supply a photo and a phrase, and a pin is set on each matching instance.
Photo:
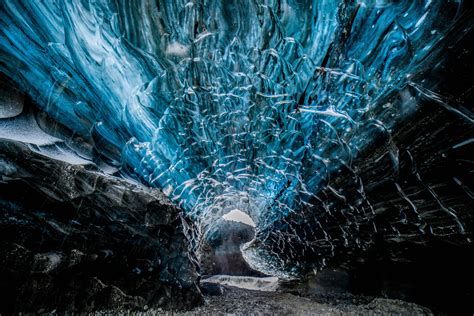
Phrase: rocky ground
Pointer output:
(244, 302)
(236, 301)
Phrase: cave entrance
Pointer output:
(220, 253)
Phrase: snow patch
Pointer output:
(238, 216)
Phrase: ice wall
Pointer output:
(249, 105)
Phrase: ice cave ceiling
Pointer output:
(288, 111)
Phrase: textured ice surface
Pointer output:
(230, 105)
(24, 128)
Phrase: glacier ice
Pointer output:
(225, 105)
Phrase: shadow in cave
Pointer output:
(220, 253)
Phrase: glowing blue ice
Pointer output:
(224, 104)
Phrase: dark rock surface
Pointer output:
(75, 239)
(212, 289)
(328, 282)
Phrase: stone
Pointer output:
(74, 239)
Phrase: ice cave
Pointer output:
(237, 156)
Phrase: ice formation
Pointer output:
(227, 105)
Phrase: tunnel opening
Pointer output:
(220, 252)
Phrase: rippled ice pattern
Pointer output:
(224, 105)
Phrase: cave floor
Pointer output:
(238, 301)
